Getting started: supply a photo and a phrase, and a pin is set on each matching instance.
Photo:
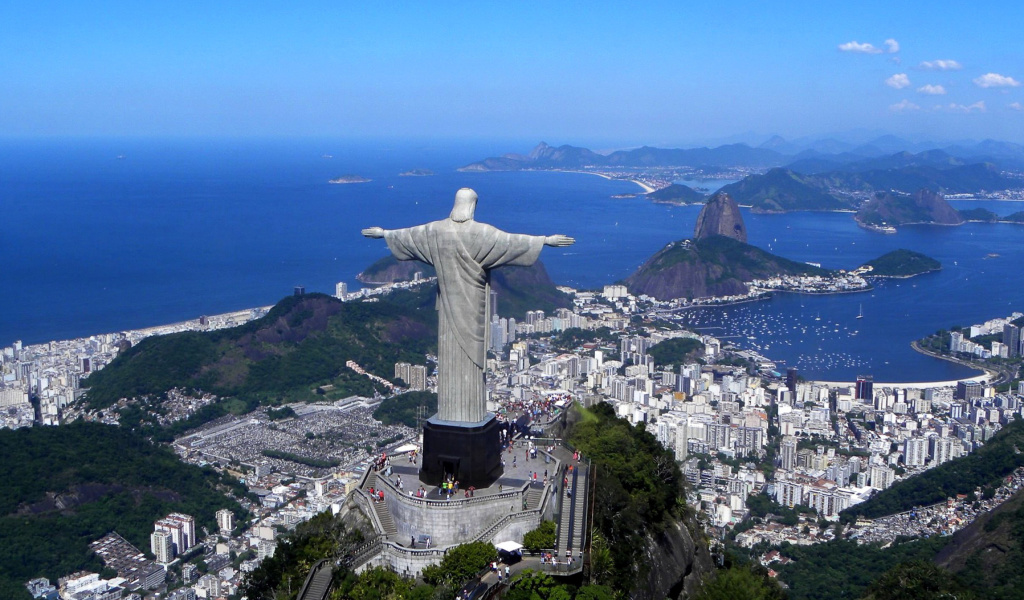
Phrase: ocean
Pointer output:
(105, 235)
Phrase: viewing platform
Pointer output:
(415, 523)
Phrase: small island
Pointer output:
(350, 179)
(416, 173)
(677, 194)
(900, 264)
(925, 207)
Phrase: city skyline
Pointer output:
(600, 75)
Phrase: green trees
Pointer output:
(107, 479)
(459, 565)
(323, 536)
(739, 582)
(676, 351)
(402, 409)
(540, 538)
(917, 579)
(379, 583)
(637, 488)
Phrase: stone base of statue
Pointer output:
(469, 452)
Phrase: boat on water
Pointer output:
(860, 315)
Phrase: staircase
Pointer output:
(318, 582)
(388, 523)
(381, 508)
(572, 521)
(533, 497)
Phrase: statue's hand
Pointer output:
(374, 232)
(559, 241)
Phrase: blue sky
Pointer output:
(603, 74)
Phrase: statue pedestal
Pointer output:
(470, 452)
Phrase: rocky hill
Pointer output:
(676, 194)
(67, 486)
(713, 266)
(924, 206)
(782, 190)
(987, 554)
(390, 270)
(720, 216)
(519, 289)
(902, 263)
(303, 342)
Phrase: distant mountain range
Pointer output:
(573, 157)
(809, 180)
(783, 189)
(820, 156)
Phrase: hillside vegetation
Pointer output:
(902, 263)
(638, 493)
(782, 190)
(67, 486)
(303, 342)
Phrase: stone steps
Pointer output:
(386, 521)
(319, 585)
(381, 508)
(533, 497)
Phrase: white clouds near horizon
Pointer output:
(995, 80)
(1015, 106)
(940, 65)
(892, 46)
(932, 90)
(859, 48)
(978, 106)
(898, 81)
(904, 106)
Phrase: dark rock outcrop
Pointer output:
(720, 216)
(676, 194)
(676, 564)
(390, 270)
(519, 289)
(924, 206)
(713, 266)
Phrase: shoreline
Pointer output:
(647, 189)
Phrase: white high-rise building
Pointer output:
(881, 477)
(225, 520)
(182, 529)
(788, 453)
(162, 546)
(340, 289)
(915, 451)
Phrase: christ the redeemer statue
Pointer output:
(463, 252)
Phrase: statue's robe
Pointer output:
(463, 253)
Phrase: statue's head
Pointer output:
(465, 205)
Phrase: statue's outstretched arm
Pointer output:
(557, 241)
(374, 232)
